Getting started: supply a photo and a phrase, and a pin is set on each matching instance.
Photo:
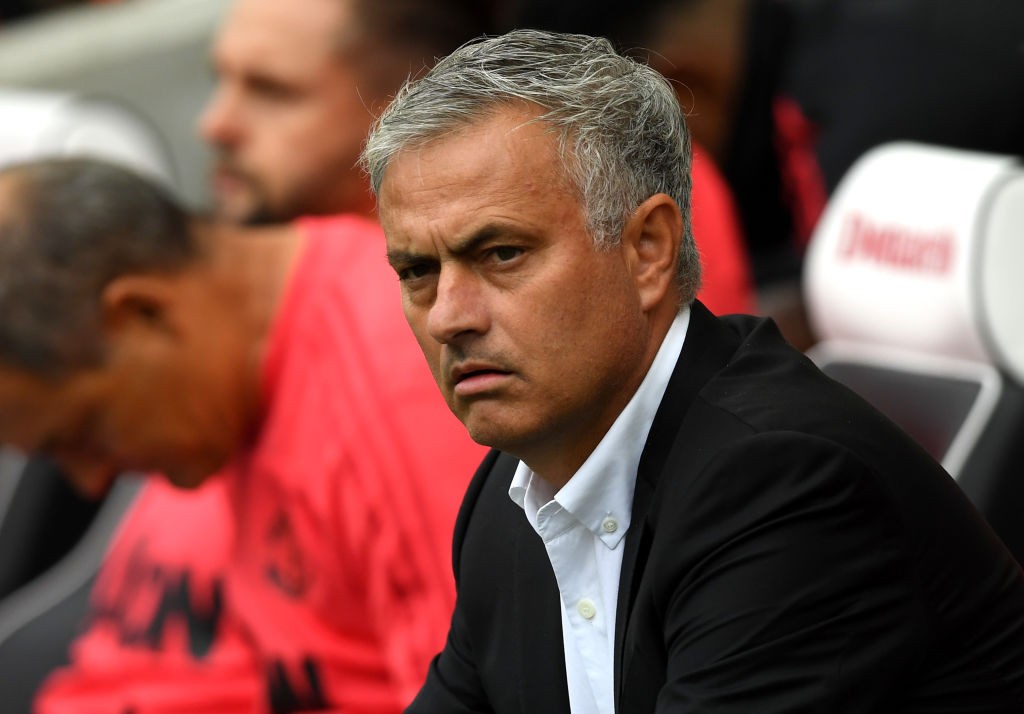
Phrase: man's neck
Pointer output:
(557, 460)
(247, 271)
(254, 265)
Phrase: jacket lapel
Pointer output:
(708, 347)
(540, 660)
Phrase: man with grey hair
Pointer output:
(721, 527)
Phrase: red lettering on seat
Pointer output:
(901, 247)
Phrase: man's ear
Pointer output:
(651, 241)
(139, 302)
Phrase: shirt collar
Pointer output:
(600, 494)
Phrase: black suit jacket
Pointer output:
(790, 551)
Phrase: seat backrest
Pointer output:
(912, 283)
(40, 123)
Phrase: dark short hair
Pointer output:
(625, 25)
(398, 39)
(67, 228)
(431, 27)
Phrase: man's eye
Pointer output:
(272, 90)
(414, 272)
(505, 253)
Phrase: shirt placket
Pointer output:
(570, 548)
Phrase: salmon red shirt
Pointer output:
(314, 572)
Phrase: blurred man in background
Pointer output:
(297, 86)
(272, 370)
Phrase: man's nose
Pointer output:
(220, 122)
(459, 308)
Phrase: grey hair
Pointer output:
(67, 228)
(621, 133)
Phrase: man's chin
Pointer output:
(261, 217)
(186, 480)
(237, 204)
(249, 215)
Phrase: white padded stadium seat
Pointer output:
(913, 283)
(40, 123)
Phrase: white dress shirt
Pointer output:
(583, 527)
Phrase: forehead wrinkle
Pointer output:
(531, 115)
(414, 180)
(263, 30)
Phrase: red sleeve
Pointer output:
(396, 494)
(407, 512)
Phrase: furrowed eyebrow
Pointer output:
(472, 242)
(401, 258)
(465, 246)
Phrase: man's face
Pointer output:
(154, 404)
(536, 338)
(287, 119)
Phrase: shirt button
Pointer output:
(586, 608)
(609, 525)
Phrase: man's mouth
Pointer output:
(470, 380)
(225, 179)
